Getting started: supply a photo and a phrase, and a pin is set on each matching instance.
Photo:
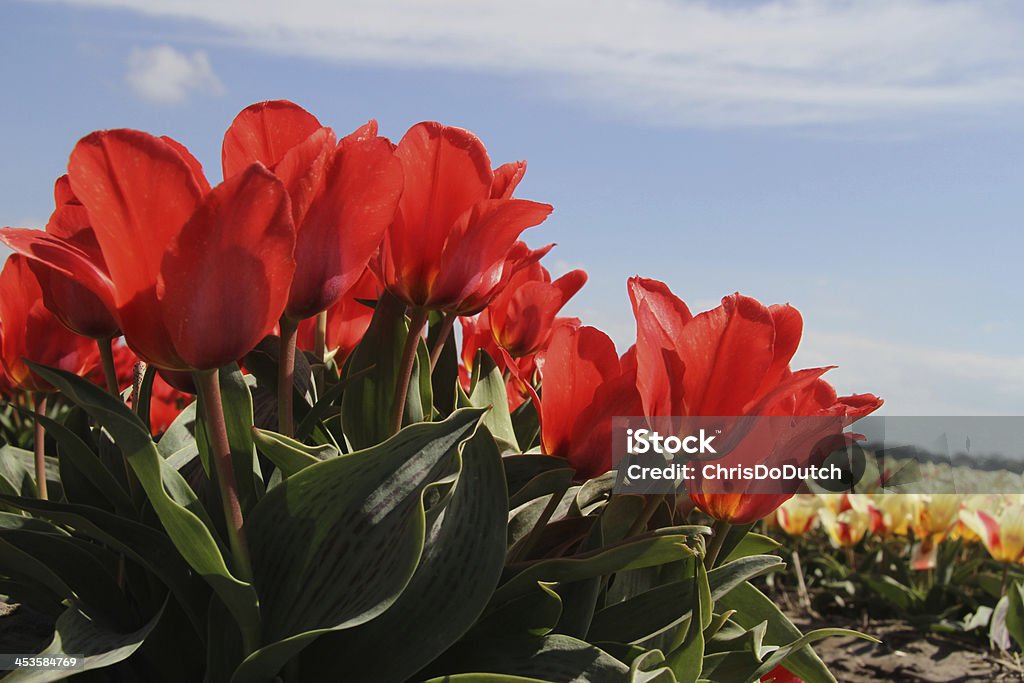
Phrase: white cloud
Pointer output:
(165, 75)
(918, 379)
(696, 62)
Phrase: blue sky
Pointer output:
(862, 161)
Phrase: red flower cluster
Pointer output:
(303, 224)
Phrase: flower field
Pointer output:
(323, 420)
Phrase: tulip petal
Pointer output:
(473, 268)
(302, 170)
(139, 192)
(506, 179)
(575, 363)
(224, 282)
(264, 132)
(193, 163)
(726, 352)
(345, 224)
(447, 171)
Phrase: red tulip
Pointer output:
(30, 331)
(584, 385)
(733, 361)
(449, 245)
(523, 312)
(342, 197)
(79, 309)
(781, 674)
(194, 278)
(476, 336)
(347, 320)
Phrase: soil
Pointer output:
(906, 654)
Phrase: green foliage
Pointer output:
(444, 552)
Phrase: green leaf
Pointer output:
(445, 376)
(555, 658)
(366, 403)
(544, 484)
(534, 614)
(84, 576)
(665, 546)
(483, 678)
(77, 635)
(648, 668)
(289, 455)
(145, 545)
(314, 535)
(753, 607)
(521, 469)
(1015, 614)
(526, 423)
(82, 458)
(489, 391)
(325, 403)
(782, 655)
(183, 520)
(464, 549)
(686, 661)
(16, 477)
(656, 609)
(753, 544)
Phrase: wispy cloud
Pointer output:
(165, 75)
(767, 62)
(919, 379)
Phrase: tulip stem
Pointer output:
(320, 349)
(805, 598)
(208, 384)
(106, 347)
(40, 448)
(719, 532)
(417, 321)
(444, 329)
(286, 377)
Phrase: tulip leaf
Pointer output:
(520, 469)
(72, 449)
(366, 404)
(145, 545)
(554, 658)
(753, 607)
(314, 535)
(489, 391)
(465, 547)
(652, 611)
(782, 655)
(180, 514)
(324, 403)
(534, 614)
(444, 376)
(1015, 613)
(753, 544)
(76, 635)
(666, 545)
(84, 576)
(291, 456)
(484, 678)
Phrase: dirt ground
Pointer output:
(907, 654)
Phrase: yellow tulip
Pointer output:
(798, 514)
(1002, 534)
